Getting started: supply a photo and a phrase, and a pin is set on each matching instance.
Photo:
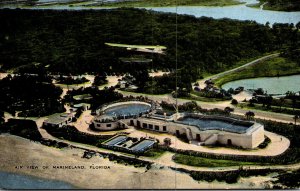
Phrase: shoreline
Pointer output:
(23, 152)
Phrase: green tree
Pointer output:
(250, 115)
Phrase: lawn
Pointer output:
(277, 66)
(154, 153)
(201, 96)
(206, 162)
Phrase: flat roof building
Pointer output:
(59, 119)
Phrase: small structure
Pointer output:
(84, 106)
(143, 146)
(127, 144)
(58, 119)
(105, 122)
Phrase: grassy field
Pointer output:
(154, 153)
(206, 162)
(277, 66)
(195, 97)
(169, 3)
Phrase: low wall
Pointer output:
(106, 126)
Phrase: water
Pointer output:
(16, 181)
(210, 124)
(127, 109)
(273, 85)
(239, 12)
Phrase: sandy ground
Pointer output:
(158, 73)
(112, 81)
(7, 116)
(3, 75)
(242, 95)
(16, 151)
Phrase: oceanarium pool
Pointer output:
(213, 124)
(127, 109)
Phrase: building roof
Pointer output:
(105, 119)
(58, 118)
(82, 97)
(81, 105)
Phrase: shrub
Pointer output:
(234, 102)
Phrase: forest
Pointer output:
(73, 41)
(29, 96)
(282, 5)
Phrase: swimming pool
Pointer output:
(128, 109)
(214, 124)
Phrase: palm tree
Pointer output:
(296, 117)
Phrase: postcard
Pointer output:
(149, 94)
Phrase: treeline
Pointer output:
(70, 133)
(73, 41)
(283, 5)
(230, 177)
(23, 128)
(29, 95)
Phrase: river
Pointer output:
(17, 181)
(238, 12)
(273, 85)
